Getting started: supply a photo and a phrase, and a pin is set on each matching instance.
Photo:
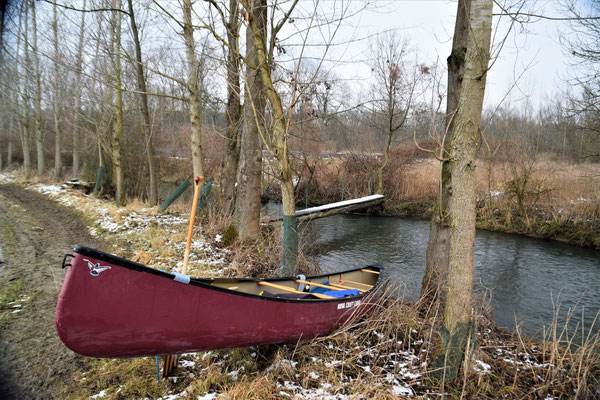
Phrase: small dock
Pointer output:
(339, 207)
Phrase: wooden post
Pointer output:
(306, 194)
(188, 243)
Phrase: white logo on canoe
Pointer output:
(95, 269)
(348, 304)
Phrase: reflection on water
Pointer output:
(526, 277)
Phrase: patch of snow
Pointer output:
(99, 395)
(208, 396)
(400, 390)
(482, 367)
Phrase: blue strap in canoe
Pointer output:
(342, 293)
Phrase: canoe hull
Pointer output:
(124, 312)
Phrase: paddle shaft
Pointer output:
(186, 256)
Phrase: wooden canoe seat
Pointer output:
(346, 287)
(357, 283)
(288, 289)
(370, 271)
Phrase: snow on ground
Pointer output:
(138, 228)
(6, 177)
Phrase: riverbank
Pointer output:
(541, 198)
(387, 356)
(542, 225)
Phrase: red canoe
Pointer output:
(112, 307)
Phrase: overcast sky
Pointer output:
(532, 50)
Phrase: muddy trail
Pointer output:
(35, 234)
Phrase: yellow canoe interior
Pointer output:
(362, 280)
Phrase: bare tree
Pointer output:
(464, 140)
(395, 80)
(246, 221)
(233, 111)
(37, 99)
(77, 117)
(117, 131)
(143, 94)
(438, 247)
(193, 89)
(56, 96)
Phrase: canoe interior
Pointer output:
(362, 279)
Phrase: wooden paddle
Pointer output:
(171, 360)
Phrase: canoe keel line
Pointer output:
(112, 307)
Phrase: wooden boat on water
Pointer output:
(113, 307)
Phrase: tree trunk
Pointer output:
(146, 126)
(290, 245)
(438, 247)
(55, 87)
(193, 89)
(77, 111)
(117, 136)
(246, 219)
(233, 111)
(25, 122)
(39, 134)
(10, 150)
(458, 328)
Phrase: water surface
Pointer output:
(526, 277)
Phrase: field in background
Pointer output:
(538, 196)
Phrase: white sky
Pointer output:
(532, 50)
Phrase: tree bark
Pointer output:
(193, 89)
(9, 151)
(233, 111)
(280, 135)
(77, 110)
(438, 247)
(39, 134)
(458, 327)
(146, 126)
(55, 100)
(117, 134)
(246, 221)
(25, 118)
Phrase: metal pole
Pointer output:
(342, 188)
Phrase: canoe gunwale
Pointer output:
(206, 283)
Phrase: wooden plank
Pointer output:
(356, 283)
(287, 289)
(326, 210)
(347, 287)
(317, 284)
(370, 271)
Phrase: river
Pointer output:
(526, 278)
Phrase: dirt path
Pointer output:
(35, 233)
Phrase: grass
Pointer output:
(386, 355)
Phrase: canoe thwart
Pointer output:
(346, 287)
(317, 284)
(370, 271)
(356, 283)
(288, 289)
